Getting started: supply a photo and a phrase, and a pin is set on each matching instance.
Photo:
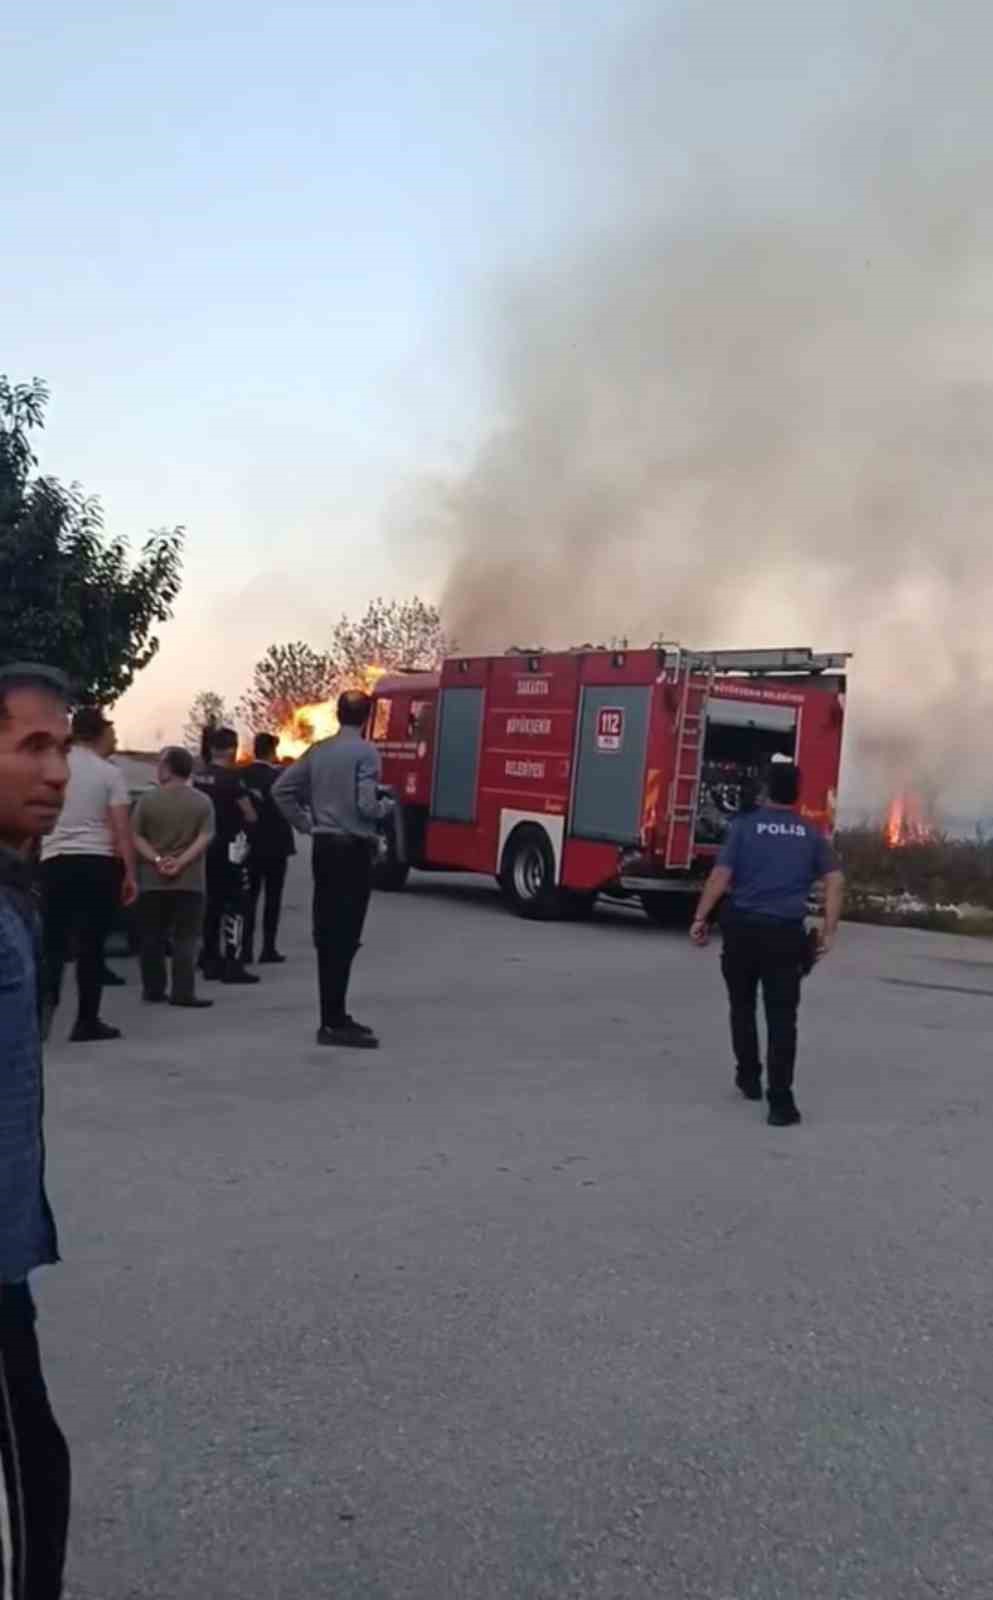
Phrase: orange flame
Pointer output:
(305, 727)
(906, 822)
(308, 724)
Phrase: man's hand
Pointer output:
(167, 867)
(825, 943)
(129, 890)
(700, 931)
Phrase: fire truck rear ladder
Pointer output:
(685, 792)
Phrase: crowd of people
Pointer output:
(200, 861)
(202, 858)
(198, 857)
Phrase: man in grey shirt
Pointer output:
(332, 793)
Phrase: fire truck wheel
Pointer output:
(668, 910)
(390, 874)
(527, 874)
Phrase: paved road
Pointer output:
(530, 1304)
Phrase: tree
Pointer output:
(288, 676)
(207, 711)
(68, 595)
(393, 635)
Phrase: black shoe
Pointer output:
(93, 1033)
(196, 1004)
(348, 1036)
(110, 979)
(360, 1027)
(271, 958)
(748, 1085)
(235, 973)
(783, 1111)
(154, 999)
(211, 971)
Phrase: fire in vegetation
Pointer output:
(307, 725)
(906, 822)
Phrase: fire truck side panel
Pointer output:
(402, 728)
(457, 755)
(527, 748)
(527, 751)
(609, 792)
(819, 738)
(659, 760)
(587, 866)
(459, 847)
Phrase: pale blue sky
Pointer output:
(250, 246)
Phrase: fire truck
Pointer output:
(568, 775)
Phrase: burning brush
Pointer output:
(906, 822)
(307, 725)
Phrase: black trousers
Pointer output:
(224, 913)
(34, 1461)
(771, 954)
(170, 917)
(80, 895)
(342, 887)
(265, 874)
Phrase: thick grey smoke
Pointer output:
(753, 405)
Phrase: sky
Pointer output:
(247, 245)
(583, 318)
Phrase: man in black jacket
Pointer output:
(271, 846)
(227, 875)
(34, 1459)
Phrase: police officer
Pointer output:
(769, 863)
(333, 793)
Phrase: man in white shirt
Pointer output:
(80, 871)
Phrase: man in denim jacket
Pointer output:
(34, 1459)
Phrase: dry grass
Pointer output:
(940, 874)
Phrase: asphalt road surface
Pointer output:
(529, 1304)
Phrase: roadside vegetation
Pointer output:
(938, 883)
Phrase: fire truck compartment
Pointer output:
(610, 769)
(741, 738)
(457, 771)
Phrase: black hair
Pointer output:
(32, 675)
(88, 724)
(266, 744)
(748, 794)
(354, 707)
(222, 739)
(784, 783)
(177, 761)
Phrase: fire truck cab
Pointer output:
(612, 771)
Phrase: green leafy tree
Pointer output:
(394, 635)
(207, 711)
(69, 595)
(288, 676)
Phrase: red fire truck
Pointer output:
(610, 771)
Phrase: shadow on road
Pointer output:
(461, 889)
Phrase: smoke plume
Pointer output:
(751, 403)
